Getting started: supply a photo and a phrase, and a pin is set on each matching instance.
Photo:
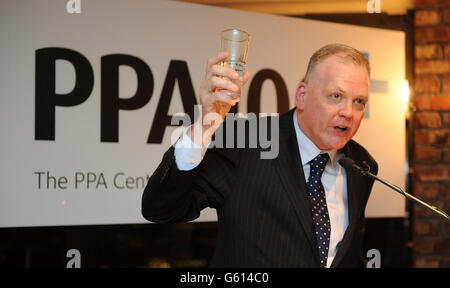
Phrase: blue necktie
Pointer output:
(319, 210)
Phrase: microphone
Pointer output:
(349, 164)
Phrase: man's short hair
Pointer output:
(346, 52)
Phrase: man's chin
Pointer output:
(337, 145)
(333, 142)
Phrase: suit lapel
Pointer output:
(289, 168)
(353, 199)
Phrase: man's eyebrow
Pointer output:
(342, 91)
(337, 89)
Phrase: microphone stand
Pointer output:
(399, 190)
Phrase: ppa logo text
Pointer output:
(47, 100)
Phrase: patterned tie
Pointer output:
(319, 206)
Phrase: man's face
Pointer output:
(330, 106)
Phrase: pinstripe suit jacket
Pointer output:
(263, 207)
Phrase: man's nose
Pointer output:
(346, 109)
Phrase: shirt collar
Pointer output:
(308, 150)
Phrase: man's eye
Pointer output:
(360, 101)
(335, 96)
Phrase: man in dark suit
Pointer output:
(299, 209)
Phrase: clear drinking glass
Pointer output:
(236, 42)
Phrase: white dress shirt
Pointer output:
(188, 155)
(334, 181)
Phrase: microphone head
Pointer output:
(347, 163)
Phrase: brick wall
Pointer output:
(431, 181)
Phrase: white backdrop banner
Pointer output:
(87, 94)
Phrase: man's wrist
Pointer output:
(201, 134)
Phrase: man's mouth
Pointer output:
(340, 128)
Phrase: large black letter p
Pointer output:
(46, 97)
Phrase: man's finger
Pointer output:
(222, 84)
(223, 96)
(246, 77)
(219, 57)
(218, 70)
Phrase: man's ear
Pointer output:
(300, 96)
